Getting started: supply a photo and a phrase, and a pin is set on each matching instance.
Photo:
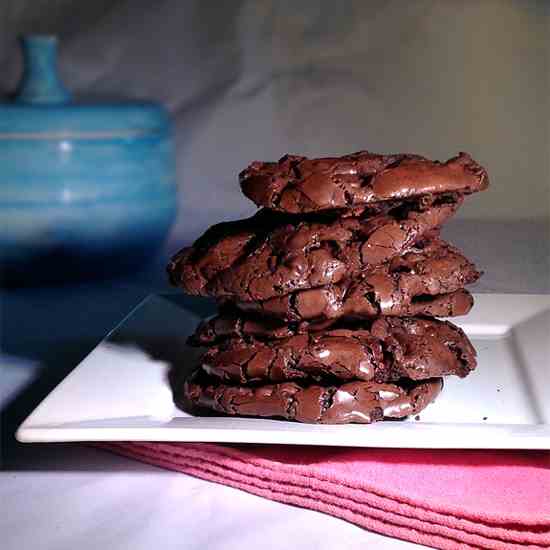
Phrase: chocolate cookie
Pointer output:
(271, 255)
(429, 281)
(233, 323)
(382, 351)
(297, 184)
(332, 354)
(352, 402)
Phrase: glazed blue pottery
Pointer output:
(85, 189)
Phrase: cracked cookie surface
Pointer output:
(351, 402)
(297, 184)
(270, 255)
(387, 349)
(426, 281)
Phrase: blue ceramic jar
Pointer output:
(84, 189)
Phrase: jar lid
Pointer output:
(43, 109)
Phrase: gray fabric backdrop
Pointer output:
(250, 80)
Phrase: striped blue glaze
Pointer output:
(80, 185)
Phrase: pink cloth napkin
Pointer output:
(440, 498)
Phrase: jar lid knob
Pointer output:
(41, 84)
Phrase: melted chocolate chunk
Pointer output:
(420, 348)
(297, 184)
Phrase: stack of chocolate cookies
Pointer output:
(329, 296)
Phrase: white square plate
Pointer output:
(120, 391)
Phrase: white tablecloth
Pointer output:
(69, 497)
